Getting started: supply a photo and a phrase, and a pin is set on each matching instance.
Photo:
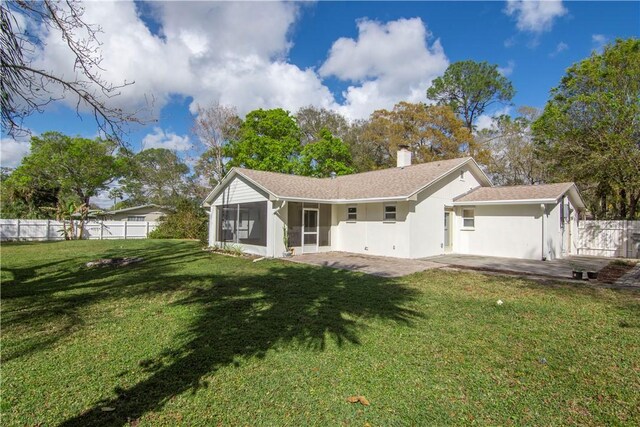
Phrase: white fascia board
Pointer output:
(507, 202)
(151, 205)
(578, 197)
(346, 201)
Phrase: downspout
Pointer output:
(273, 226)
(542, 207)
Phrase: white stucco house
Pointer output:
(410, 211)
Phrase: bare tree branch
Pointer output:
(27, 89)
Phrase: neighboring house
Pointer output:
(411, 211)
(138, 213)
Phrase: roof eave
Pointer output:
(347, 201)
(574, 189)
(505, 202)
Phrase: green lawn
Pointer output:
(191, 338)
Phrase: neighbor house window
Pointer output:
(135, 218)
(468, 218)
(390, 212)
(352, 213)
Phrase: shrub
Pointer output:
(189, 221)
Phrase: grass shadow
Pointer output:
(240, 310)
(246, 316)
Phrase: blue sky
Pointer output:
(354, 57)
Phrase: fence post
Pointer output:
(147, 235)
(125, 230)
(627, 239)
(48, 226)
(18, 229)
(101, 228)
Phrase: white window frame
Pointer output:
(395, 212)
(465, 218)
(349, 214)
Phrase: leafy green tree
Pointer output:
(156, 175)
(366, 153)
(312, 120)
(325, 155)
(69, 167)
(589, 131)
(28, 202)
(268, 140)
(189, 221)
(469, 87)
(513, 158)
(432, 132)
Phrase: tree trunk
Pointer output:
(633, 205)
(603, 206)
(622, 209)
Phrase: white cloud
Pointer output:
(13, 151)
(486, 121)
(533, 15)
(169, 140)
(599, 41)
(236, 53)
(205, 50)
(508, 70)
(387, 63)
(560, 47)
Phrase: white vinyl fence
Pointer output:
(609, 238)
(43, 229)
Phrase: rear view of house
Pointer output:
(410, 211)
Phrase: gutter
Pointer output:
(505, 202)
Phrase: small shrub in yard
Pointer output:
(189, 221)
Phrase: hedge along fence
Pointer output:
(609, 238)
(44, 229)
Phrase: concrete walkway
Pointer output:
(397, 267)
(375, 265)
(557, 268)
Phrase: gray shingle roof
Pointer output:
(515, 193)
(385, 183)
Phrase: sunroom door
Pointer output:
(310, 230)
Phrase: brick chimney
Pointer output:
(404, 156)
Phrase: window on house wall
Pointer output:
(352, 213)
(468, 218)
(244, 223)
(135, 218)
(390, 212)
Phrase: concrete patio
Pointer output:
(375, 265)
(557, 268)
(397, 267)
